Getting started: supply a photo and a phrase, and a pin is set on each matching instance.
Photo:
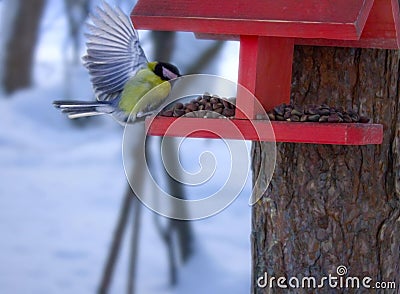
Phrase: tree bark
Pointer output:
(334, 205)
(20, 48)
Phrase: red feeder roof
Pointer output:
(268, 31)
(370, 23)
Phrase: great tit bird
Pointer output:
(119, 71)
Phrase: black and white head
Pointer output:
(166, 71)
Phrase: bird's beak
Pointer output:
(169, 74)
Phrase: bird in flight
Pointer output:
(127, 86)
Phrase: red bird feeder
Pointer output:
(267, 31)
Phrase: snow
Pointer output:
(62, 185)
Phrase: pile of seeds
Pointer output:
(206, 105)
(212, 106)
(315, 113)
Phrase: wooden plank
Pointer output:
(327, 133)
(265, 69)
(260, 130)
(383, 21)
(377, 43)
(382, 29)
(332, 19)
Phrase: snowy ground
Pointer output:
(61, 188)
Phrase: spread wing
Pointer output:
(114, 54)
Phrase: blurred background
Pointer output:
(63, 189)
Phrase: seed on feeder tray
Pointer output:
(203, 101)
(178, 112)
(314, 117)
(279, 110)
(354, 117)
(206, 95)
(204, 106)
(315, 113)
(178, 105)
(323, 118)
(228, 112)
(304, 118)
(333, 118)
(312, 110)
(348, 119)
(208, 106)
(226, 104)
(192, 107)
(214, 100)
(324, 111)
(271, 115)
(217, 105)
(211, 106)
(168, 113)
(297, 112)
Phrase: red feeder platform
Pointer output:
(267, 31)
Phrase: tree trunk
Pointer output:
(77, 12)
(327, 205)
(20, 48)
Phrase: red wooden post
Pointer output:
(265, 69)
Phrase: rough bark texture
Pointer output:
(20, 49)
(335, 205)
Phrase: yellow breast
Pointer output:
(143, 90)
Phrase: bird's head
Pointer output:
(164, 70)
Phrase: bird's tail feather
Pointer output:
(76, 109)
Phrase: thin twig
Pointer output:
(116, 243)
(134, 245)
